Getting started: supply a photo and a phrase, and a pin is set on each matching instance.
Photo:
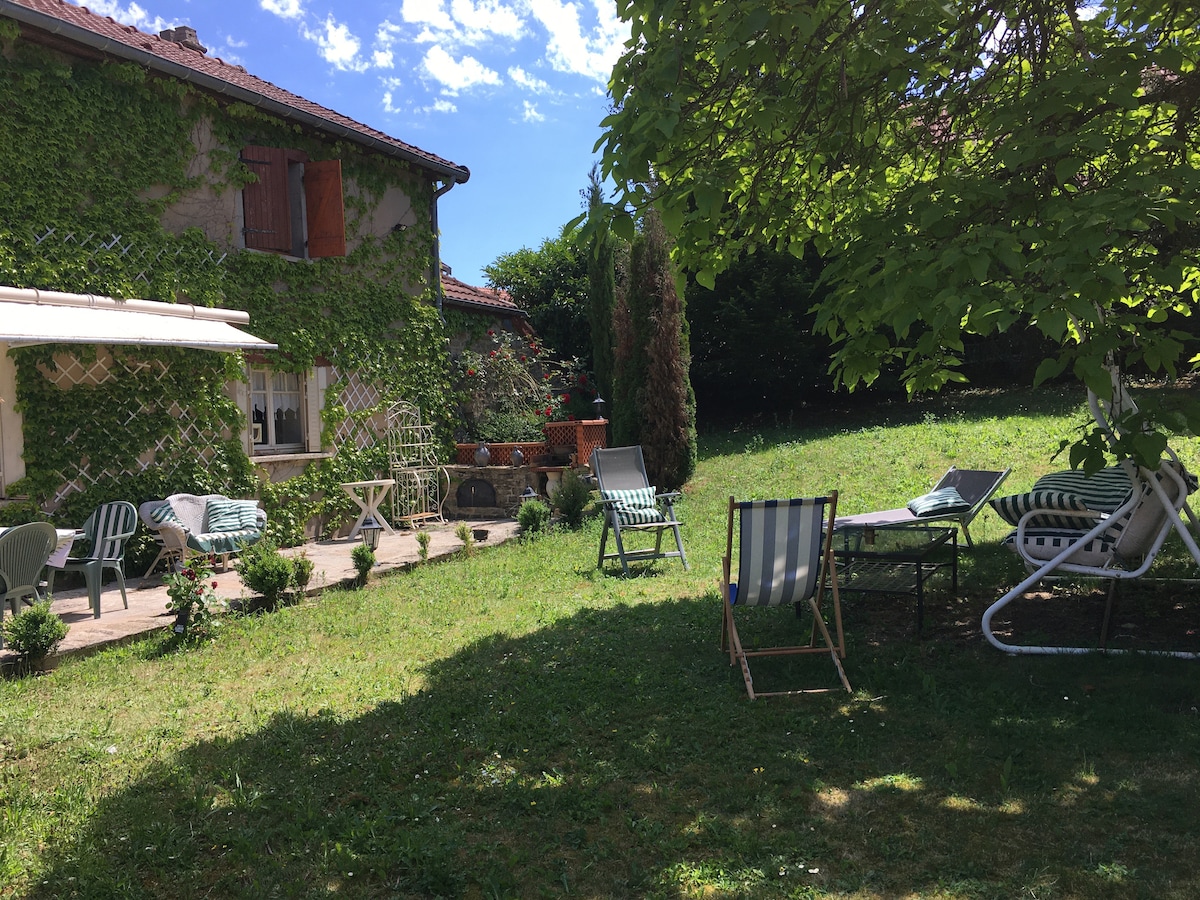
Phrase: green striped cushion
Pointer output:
(164, 513)
(1011, 508)
(247, 513)
(636, 506)
(223, 515)
(943, 502)
(1104, 491)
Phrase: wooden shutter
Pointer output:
(325, 210)
(265, 206)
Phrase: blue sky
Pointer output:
(512, 89)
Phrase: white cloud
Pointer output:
(531, 113)
(442, 105)
(457, 75)
(130, 15)
(569, 49)
(520, 77)
(286, 9)
(424, 12)
(338, 46)
(490, 17)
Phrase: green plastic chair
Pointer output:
(107, 530)
(24, 550)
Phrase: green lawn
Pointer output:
(518, 725)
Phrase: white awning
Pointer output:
(47, 317)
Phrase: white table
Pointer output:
(368, 495)
(62, 549)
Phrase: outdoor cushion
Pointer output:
(942, 502)
(1104, 491)
(222, 515)
(221, 542)
(164, 513)
(1047, 543)
(635, 506)
(1014, 506)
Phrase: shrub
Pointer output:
(363, 558)
(572, 498)
(533, 516)
(423, 539)
(265, 570)
(302, 572)
(35, 633)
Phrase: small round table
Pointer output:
(368, 495)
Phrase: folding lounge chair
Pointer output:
(959, 496)
(1059, 535)
(633, 506)
(783, 558)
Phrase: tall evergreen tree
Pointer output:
(652, 363)
(602, 288)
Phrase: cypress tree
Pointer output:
(602, 290)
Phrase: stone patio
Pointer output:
(332, 567)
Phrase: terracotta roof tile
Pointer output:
(459, 293)
(81, 25)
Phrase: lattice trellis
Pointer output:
(191, 442)
(358, 396)
(141, 261)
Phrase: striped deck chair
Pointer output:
(107, 530)
(783, 558)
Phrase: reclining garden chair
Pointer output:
(633, 506)
(1065, 530)
(107, 530)
(783, 559)
(959, 496)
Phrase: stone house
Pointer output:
(138, 166)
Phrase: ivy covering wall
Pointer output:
(93, 154)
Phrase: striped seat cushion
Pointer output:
(1047, 543)
(635, 506)
(230, 515)
(164, 513)
(1013, 507)
(220, 542)
(945, 501)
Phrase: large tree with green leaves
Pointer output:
(964, 167)
(551, 283)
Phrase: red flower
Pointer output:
(491, 332)
(583, 379)
(570, 418)
(214, 585)
(522, 358)
(493, 353)
(546, 376)
(566, 398)
(470, 371)
(549, 412)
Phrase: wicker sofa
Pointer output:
(211, 524)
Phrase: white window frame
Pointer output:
(308, 414)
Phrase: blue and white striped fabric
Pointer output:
(780, 551)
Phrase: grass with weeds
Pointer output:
(517, 724)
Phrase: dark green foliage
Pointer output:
(533, 516)
(363, 558)
(754, 351)
(551, 283)
(572, 497)
(655, 405)
(36, 632)
(265, 570)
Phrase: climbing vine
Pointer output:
(94, 155)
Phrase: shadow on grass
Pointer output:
(615, 754)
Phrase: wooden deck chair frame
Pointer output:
(977, 487)
(1146, 518)
(784, 557)
(624, 469)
